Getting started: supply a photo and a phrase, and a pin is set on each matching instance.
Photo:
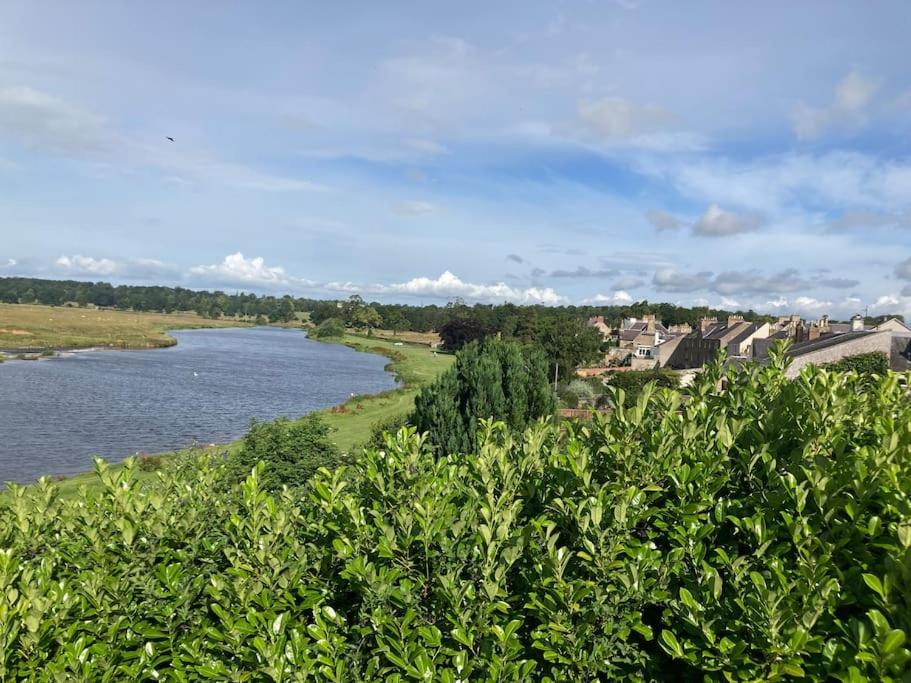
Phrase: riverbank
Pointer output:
(31, 328)
(351, 422)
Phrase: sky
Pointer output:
(741, 155)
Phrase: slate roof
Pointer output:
(825, 341)
(900, 358)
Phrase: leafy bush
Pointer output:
(290, 451)
(633, 382)
(577, 392)
(761, 533)
(504, 380)
(331, 327)
(382, 428)
(876, 363)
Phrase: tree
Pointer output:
(331, 327)
(290, 450)
(504, 380)
(397, 321)
(461, 331)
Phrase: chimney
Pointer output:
(649, 320)
(706, 323)
(857, 323)
(734, 319)
(824, 324)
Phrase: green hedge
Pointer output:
(761, 533)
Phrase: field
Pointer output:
(426, 338)
(27, 327)
(414, 365)
(351, 422)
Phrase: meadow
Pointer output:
(26, 327)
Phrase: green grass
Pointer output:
(351, 422)
(33, 327)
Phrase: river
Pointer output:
(55, 414)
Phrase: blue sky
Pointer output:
(737, 154)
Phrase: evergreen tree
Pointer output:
(496, 379)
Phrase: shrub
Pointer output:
(876, 363)
(331, 327)
(289, 450)
(504, 380)
(634, 382)
(382, 428)
(759, 533)
(149, 463)
(577, 392)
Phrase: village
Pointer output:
(647, 344)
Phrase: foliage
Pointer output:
(329, 328)
(634, 382)
(576, 392)
(503, 380)
(380, 428)
(461, 331)
(761, 533)
(290, 451)
(359, 315)
(876, 363)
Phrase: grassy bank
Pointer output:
(31, 327)
(414, 365)
(351, 422)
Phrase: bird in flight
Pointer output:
(170, 138)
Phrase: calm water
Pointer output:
(56, 414)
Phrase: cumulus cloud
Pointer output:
(670, 280)
(850, 101)
(237, 270)
(753, 282)
(838, 282)
(45, 122)
(662, 220)
(861, 218)
(618, 118)
(10, 263)
(618, 298)
(148, 269)
(448, 286)
(743, 282)
(716, 222)
(583, 272)
(903, 270)
(87, 265)
(414, 208)
(627, 282)
(808, 303)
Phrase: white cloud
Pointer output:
(427, 146)
(727, 302)
(627, 282)
(662, 220)
(670, 280)
(448, 286)
(44, 122)
(10, 263)
(808, 303)
(886, 301)
(850, 101)
(414, 208)
(618, 298)
(903, 269)
(716, 222)
(240, 271)
(130, 269)
(616, 118)
(87, 265)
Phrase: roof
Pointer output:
(839, 328)
(900, 358)
(748, 332)
(826, 341)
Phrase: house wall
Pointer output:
(871, 343)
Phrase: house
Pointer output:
(598, 323)
(736, 336)
(895, 326)
(832, 348)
